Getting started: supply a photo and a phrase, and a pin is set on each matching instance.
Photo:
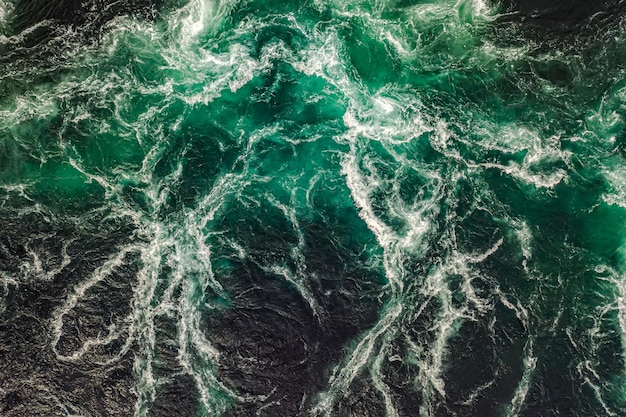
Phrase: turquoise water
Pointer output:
(326, 208)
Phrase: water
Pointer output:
(328, 208)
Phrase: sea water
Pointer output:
(311, 208)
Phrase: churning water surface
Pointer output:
(312, 208)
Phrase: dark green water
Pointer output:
(321, 208)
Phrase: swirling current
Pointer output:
(312, 208)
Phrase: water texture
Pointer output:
(320, 208)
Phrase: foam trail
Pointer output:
(143, 325)
(79, 292)
(344, 374)
(595, 382)
(449, 318)
(517, 403)
(6, 7)
(299, 280)
(375, 373)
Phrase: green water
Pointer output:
(333, 208)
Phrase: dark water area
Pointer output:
(78, 13)
(563, 14)
(329, 208)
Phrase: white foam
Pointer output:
(300, 279)
(530, 363)
(28, 107)
(79, 292)
(361, 188)
(381, 387)
(618, 279)
(593, 380)
(196, 354)
(6, 7)
(360, 356)
(482, 9)
(525, 238)
(520, 311)
(478, 258)
(621, 312)
(430, 355)
(36, 268)
(617, 195)
(6, 280)
(540, 155)
(616, 303)
(182, 246)
(198, 17)
(142, 326)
